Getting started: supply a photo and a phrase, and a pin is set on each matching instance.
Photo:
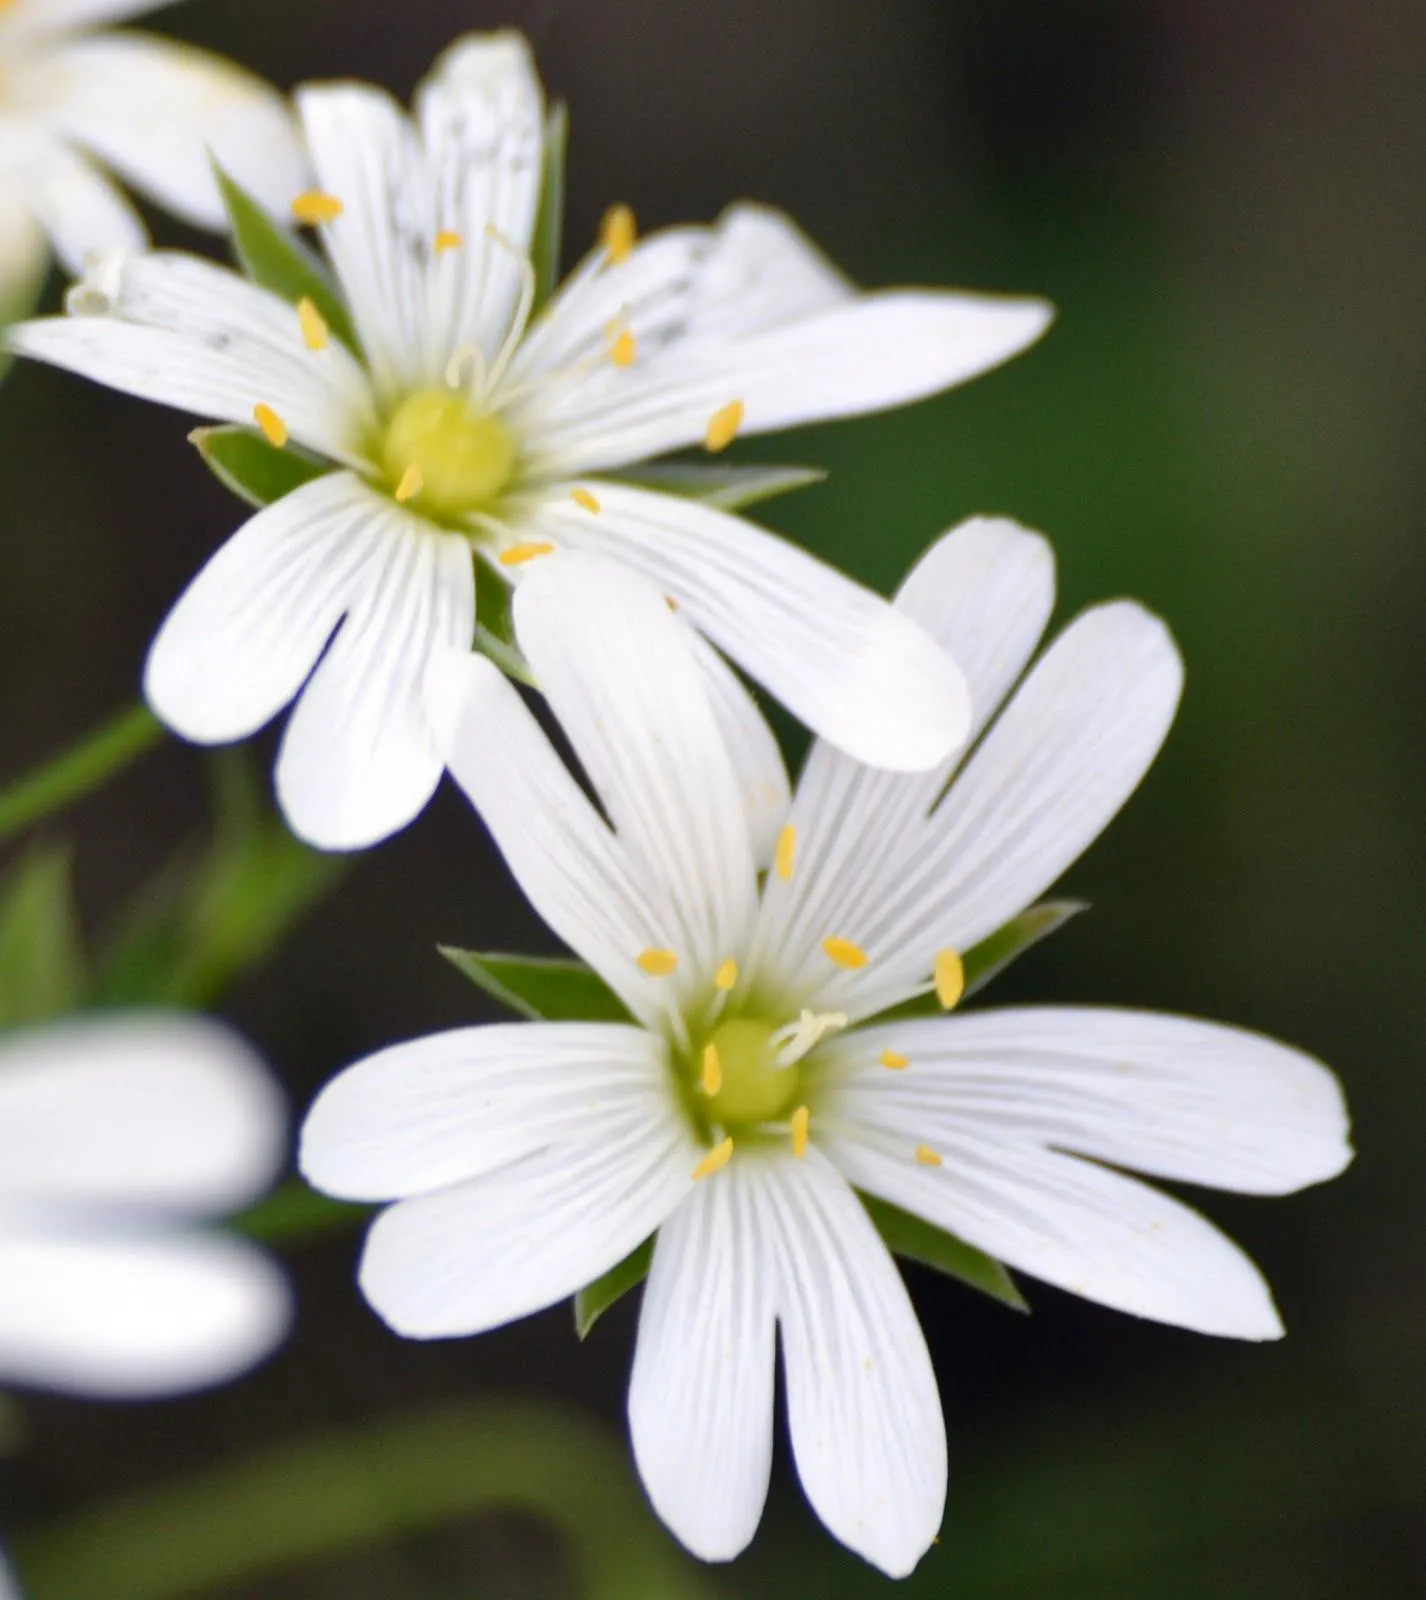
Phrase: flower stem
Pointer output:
(79, 770)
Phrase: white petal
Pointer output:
(487, 1252)
(135, 1317)
(55, 16)
(360, 757)
(983, 592)
(701, 1393)
(79, 208)
(199, 337)
(862, 1403)
(838, 657)
(137, 1109)
(481, 114)
(24, 260)
(436, 1111)
(1182, 1099)
(577, 875)
(617, 669)
(1091, 1231)
(248, 630)
(9, 1584)
(154, 110)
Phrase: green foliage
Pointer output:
(293, 1212)
(42, 967)
(909, 1236)
(494, 628)
(85, 766)
(275, 258)
(595, 1298)
(726, 488)
(548, 989)
(251, 468)
(549, 222)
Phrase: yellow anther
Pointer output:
(447, 239)
(800, 1120)
(889, 1058)
(274, 429)
(313, 325)
(617, 233)
(623, 347)
(726, 975)
(582, 497)
(410, 486)
(657, 963)
(516, 556)
(313, 206)
(950, 974)
(927, 1156)
(711, 1078)
(716, 1159)
(723, 426)
(844, 953)
(786, 853)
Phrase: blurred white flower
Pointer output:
(119, 1136)
(466, 422)
(73, 102)
(758, 1091)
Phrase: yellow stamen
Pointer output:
(927, 1156)
(274, 429)
(844, 953)
(623, 347)
(726, 975)
(716, 1159)
(518, 554)
(617, 233)
(582, 497)
(889, 1058)
(785, 853)
(447, 239)
(711, 1077)
(950, 974)
(313, 325)
(800, 1119)
(657, 963)
(312, 206)
(723, 426)
(410, 485)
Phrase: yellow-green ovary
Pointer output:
(465, 457)
(754, 1087)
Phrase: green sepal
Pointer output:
(276, 259)
(905, 1235)
(540, 988)
(495, 629)
(42, 966)
(549, 221)
(293, 1212)
(251, 468)
(595, 1298)
(723, 488)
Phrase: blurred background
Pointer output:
(1224, 202)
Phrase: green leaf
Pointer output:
(909, 1236)
(42, 967)
(275, 258)
(251, 468)
(549, 222)
(542, 989)
(724, 488)
(595, 1298)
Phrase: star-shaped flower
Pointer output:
(767, 1076)
(75, 102)
(118, 1137)
(463, 422)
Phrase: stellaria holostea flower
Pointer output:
(119, 1137)
(755, 1091)
(465, 424)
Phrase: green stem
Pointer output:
(241, 1523)
(82, 768)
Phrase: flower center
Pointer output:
(744, 1078)
(444, 455)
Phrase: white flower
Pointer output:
(118, 1136)
(756, 1091)
(466, 424)
(151, 109)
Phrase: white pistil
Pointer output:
(792, 1042)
